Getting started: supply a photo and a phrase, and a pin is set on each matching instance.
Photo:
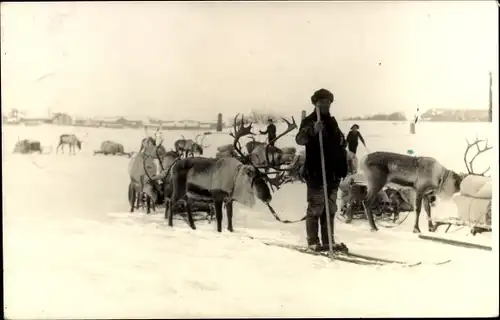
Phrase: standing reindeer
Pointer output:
(143, 173)
(71, 140)
(424, 174)
(221, 181)
(189, 146)
(149, 140)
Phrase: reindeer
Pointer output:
(288, 155)
(143, 172)
(149, 140)
(262, 154)
(189, 146)
(226, 150)
(221, 181)
(71, 140)
(424, 174)
(111, 147)
(251, 145)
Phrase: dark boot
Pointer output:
(312, 232)
(324, 230)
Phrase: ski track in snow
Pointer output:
(72, 249)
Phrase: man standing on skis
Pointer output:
(335, 164)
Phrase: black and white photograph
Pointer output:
(250, 159)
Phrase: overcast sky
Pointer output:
(193, 59)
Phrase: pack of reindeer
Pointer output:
(185, 176)
(189, 179)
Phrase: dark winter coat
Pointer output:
(333, 149)
(271, 132)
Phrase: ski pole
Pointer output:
(325, 189)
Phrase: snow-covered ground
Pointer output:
(72, 250)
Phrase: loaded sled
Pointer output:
(473, 203)
(391, 201)
(157, 189)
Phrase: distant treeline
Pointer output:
(396, 116)
(441, 115)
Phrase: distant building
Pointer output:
(62, 119)
(14, 116)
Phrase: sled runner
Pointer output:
(458, 243)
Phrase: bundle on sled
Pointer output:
(26, 146)
(475, 197)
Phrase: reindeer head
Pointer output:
(197, 147)
(148, 141)
(251, 184)
(80, 141)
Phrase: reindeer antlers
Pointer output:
(203, 136)
(469, 164)
(291, 126)
(240, 132)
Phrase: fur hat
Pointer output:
(321, 94)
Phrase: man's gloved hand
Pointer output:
(318, 127)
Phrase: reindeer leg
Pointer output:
(131, 196)
(376, 181)
(229, 212)
(148, 204)
(427, 207)
(395, 214)
(138, 196)
(190, 213)
(218, 214)
(418, 208)
(170, 209)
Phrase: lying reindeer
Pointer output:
(189, 146)
(424, 174)
(226, 150)
(219, 180)
(71, 140)
(111, 147)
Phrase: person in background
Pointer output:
(270, 131)
(352, 139)
(335, 167)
